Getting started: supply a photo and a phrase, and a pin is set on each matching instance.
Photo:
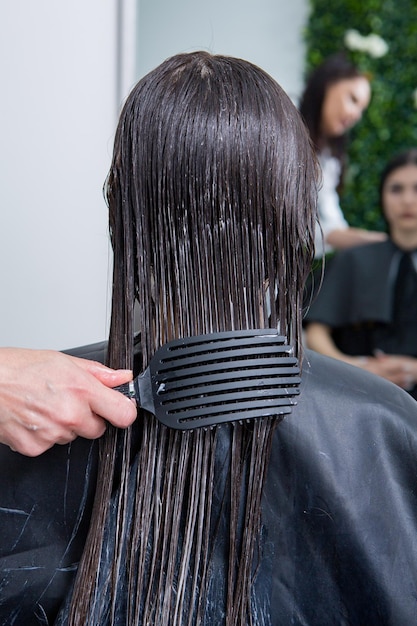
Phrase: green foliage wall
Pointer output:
(390, 123)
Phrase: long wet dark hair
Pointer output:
(212, 194)
(334, 68)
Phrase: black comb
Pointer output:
(220, 377)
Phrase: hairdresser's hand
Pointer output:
(47, 397)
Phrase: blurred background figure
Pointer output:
(334, 99)
(366, 310)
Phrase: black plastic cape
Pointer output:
(339, 538)
(357, 287)
(357, 302)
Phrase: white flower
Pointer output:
(414, 95)
(372, 44)
(353, 39)
(377, 47)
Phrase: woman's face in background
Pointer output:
(399, 200)
(343, 105)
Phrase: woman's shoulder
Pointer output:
(369, 257)
(366, 250)
(342, 484)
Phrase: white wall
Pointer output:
(57, 119)
(266, 32)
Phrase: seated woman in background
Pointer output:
(272, 521)
(334, 99)
(366, 311)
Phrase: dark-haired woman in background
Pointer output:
(334, 99)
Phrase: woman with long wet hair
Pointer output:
(212, 194)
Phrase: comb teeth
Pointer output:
(222, 377)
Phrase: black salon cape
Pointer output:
(356, 301)
(45, 504)
(356, 287)
(339, 536)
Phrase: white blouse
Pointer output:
(330, 214)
